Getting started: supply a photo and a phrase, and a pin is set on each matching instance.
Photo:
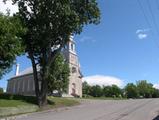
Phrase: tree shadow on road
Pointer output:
(156, 118)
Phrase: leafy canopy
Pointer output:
(131, 91)
(59, 75)
(11, 31)
(51, 22)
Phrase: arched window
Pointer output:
(73, 88)
(73, 85)
(72, 47)
(74, 70)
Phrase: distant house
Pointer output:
(23, 84)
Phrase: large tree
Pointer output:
(116, 91)
(11, 31)
(131, 91)
(145, 89)
(49, 25)
(107, 91)
(96, 91)
(86, 88)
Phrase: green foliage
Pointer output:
(107, 91)
(1, 90)
(155, 93)
(11, 31)
(85, 89)
(96, 91)
(50, 24)
(115, 91)
(145, 89)
(142, 89)
(131, 91)
(59, 75)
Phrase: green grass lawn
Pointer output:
(60, 102)
(14, 105)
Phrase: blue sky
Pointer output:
(125, 45)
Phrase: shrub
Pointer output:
(29, 99)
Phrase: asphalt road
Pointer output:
(143, 109)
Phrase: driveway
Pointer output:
(143, 109)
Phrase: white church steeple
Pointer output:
(71, 45)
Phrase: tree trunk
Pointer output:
(41, 90)
(36, 79)
(43, 93)
(44, 85)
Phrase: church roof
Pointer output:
(27, 71)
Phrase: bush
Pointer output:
(29, 99)
(1, 90)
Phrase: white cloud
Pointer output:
(87, 38)
(103, 80)
(142, 33)
(142, 36)
(8, 5)
(156, 86)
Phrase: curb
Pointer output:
(27, 114)
(14, 117)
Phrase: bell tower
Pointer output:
(75, 79)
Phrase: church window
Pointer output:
(73, 88)
(72, 48)
(74, 70)
(74, 85)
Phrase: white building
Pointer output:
(23, 84)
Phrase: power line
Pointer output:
(153, 20)
(143, 11)
(147, 20)
(153, 16)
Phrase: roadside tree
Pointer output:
(49, 25)
(96, 91)
(145, 89)
(131, 91)
(86, 89)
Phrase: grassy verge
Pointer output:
(14, 105)
(63, 102)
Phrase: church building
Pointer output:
(23, 83)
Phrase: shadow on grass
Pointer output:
(50, 102)
(156, 118)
